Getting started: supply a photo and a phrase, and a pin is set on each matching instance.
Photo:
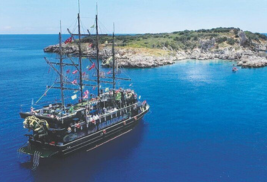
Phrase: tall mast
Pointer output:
(113, 57)
(61, 70)
(80, 57)
(97, 58)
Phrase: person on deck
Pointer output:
(123, 98)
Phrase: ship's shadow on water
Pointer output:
(83, 164)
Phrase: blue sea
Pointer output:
(206, 123)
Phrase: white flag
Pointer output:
(139, 97)
(74, 97)
(107, 89)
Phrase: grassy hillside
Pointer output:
(185, 40)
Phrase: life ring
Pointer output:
(78, 125)
(135, 118)
(104, 131)
(52, 143)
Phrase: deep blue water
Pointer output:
(206, 123)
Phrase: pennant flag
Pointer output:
(74, 97)
(84, 73)
(68, 71)
(74, 82)
(93, 65)
(86, 92)
(93, 26)
(74, 72)
(139, 97)
(68, 40)
(107, 89)
(85, 97)
(83, 87)
(93, 87)
(131, 85)
(144, 102)
(75, 91)
(109, 72)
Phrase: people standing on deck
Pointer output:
(123, 97)
(118, 98)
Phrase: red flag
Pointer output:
(74, 72)
(68, 71)
(74, 82)
(90, 45)
(109, 72)
(93, 65)
(144, 102)
(84, 73)
(68, 40)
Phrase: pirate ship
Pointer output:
(59, 128)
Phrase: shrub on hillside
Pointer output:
(220, 40)
(230, 41)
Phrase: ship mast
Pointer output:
(80, 57)
(97, 57)
(61, 70)
(113, 57)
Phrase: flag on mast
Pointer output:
(74, 82)
(69, 40)
(74, 97)
(93, 65)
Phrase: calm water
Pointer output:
(206, 123)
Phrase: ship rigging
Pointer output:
(60, 128)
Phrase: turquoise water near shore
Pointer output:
(206, 123)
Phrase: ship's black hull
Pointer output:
(88, 142)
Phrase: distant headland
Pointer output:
(153, 50)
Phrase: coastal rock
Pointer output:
(67, 49)
(207, 44)
(243, 38)
(252, 61)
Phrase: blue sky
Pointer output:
(132, 16)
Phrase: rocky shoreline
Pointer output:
(132, 58)
(252, 56)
